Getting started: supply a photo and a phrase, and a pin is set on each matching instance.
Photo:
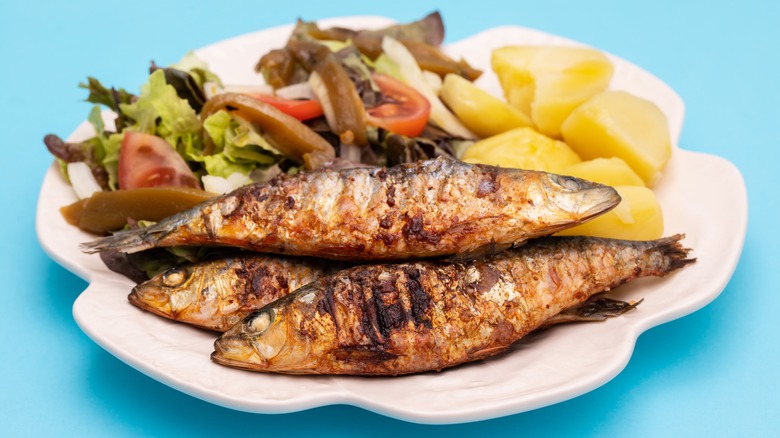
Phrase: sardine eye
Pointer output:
(208, 294)
(259, 323)
(567, 182)
(174, 277)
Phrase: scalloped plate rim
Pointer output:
(51, 229)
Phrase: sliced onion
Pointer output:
(434, 80)
(82, 180)
(302, 90)
(319, 90)
(412, 76)
(259, 89)
(211, 89)
(351, 152)
(220, 185)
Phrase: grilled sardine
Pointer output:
(424, 209)
(412, 317)
(216, 294)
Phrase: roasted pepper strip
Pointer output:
(350, 114)
(429, 30)
(432, 59)
(109, 211)
(291, 137)
(280, 69)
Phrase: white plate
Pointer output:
(701, 195)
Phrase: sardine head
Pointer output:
(255, 340)
(265, 341)
(182, 293)
(577, 200)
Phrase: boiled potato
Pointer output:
(481, 112)
(522, 148)
(637, 217)
(548, 82)
(610, 171)
(620, 124)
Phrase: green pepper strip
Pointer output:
(278, 68)
(109, 211)
(291, 137)
(344, 98)
(432, 59)
(429, 30)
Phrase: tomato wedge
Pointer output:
(146, 160)
(300, 109)
(403, 111)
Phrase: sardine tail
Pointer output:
(124, 241)
(673, 250)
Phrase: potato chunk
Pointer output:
(637, 217)
(548, 82)
(481, 112)
(610, 171)
(522, 148)
(620, 124)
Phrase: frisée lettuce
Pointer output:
(167, 106)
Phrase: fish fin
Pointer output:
(487, 352)
(124, 241)
(139, 239)
(128, 241)
(671, 248)
(595, 308)
(469, 227)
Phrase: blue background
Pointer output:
(714, 372)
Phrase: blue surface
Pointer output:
(712, 373)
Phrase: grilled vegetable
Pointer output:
(285, 132)
(110, 211)
(348, 118)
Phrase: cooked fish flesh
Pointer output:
(218, 293)
(423, 209)
(428, 315)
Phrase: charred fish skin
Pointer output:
(424, 209)
(217, 294)
(405, 318)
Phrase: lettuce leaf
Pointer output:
(216, 125)
(221, 165)
(110, 161)
(197, 68)
(111, 98)
(238, 147)
(105, 147)
(166, 111)
(159, 110)
(95, 118)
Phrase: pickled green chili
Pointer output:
(288, 135)
(109, 211)
(432, 59)
(348, 110)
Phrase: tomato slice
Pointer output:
(403, 111)
(300, 109)
(146, 160)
